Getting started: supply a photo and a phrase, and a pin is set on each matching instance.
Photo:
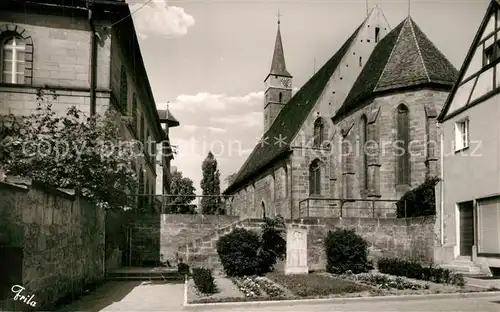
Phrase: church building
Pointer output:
(361, 128)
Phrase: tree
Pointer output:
(73, 151)
(183, 193)
(230, 178)
(210, 185)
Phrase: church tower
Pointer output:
(278, 84)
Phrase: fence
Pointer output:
(341, 207)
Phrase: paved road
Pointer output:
(131, 296)
(156, 297)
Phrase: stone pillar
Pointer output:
(373, 159)
(296, 250)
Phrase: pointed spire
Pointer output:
(278, 66)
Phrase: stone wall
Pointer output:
(407, 238)
(60, 238)
(144, 239)
(179, 229)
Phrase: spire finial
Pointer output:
(279, 15)
(409, 7)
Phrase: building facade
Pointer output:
(89, 59)
(382, 86)
(468, 205)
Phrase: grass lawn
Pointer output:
(315, 285)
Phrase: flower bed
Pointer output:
(248, 286)
(398, 285)
(318, 285)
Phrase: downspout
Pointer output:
(93, 62)
(441, 189)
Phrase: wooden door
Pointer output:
(466, 228)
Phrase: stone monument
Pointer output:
(296, 251)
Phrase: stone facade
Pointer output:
(178, 230)
(61, 62)
(58, 239)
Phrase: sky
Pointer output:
(208, 58)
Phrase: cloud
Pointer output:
(157, 18)
(252, 119)
(215, 102)
(217, 130)
(195, 128)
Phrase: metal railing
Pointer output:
(355, 207)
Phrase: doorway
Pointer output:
(466, 217)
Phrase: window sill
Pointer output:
(461, 149)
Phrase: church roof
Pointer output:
(290, 119)
(278, 66)
(403, 58)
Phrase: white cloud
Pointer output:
(253, 119)
(189, 128)
(217, 130)
(158, 18)
(219, 102)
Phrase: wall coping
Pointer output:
(25, 184)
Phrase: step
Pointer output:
(462, 267)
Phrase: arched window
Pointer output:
(403, 136)
(13, 60)
(123, 90)
(280, 97)
(363, 134)
(360, 61)
(263, 206)
(318, 132)
(315, 178)
(140, 200)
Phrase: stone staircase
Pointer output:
(463, 265)
(202, 252)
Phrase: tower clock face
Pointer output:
(285, 82)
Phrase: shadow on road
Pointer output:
(102, 297)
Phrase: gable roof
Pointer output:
(290, 119)
(278, 66)
(403, 58)
(494, 4)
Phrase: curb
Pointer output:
(343, 300)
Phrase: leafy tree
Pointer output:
(230, 178)
(73, 151)
(210, 185)
(183, 193)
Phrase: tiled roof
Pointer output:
(278, 66)
(404, 58)
(167, 117)
(289, 121)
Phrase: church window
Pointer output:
(134, 111)
(377, 34)
(280, 97)
(315, 178)
(363, 139)
(403, 136)
(319, 129)
(360, 61)
(123, 90)
(263, 206)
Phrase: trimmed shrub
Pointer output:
(204, 280)
(238, 252)
(243, 252)
(421, 201)
(183, 268)
(346, 251)
(273, 245)
(412, 269)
